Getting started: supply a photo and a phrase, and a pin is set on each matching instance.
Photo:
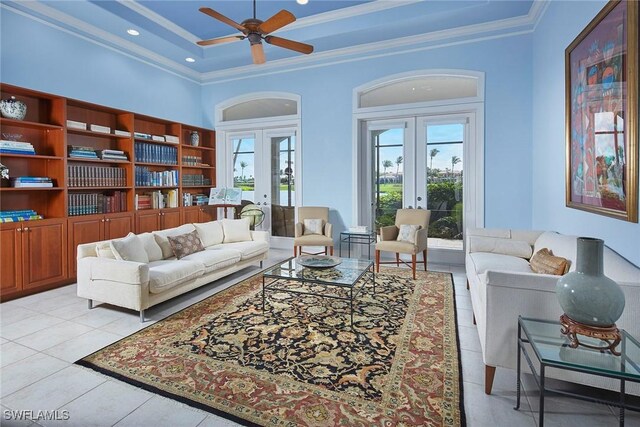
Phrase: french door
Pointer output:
(261, 163)
(418, 162)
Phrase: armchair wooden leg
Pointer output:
(413, 265)
(295, 250)
(489, 373)
(424, 258)
(377, 261)
(331, 250)
(397, 259)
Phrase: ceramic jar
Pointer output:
(13, 109)
(194, 138)
(586, 295)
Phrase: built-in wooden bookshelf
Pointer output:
(40, 254)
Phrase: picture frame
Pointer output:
(601, 95)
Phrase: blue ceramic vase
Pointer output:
(586, 295)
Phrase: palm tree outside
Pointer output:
(432, 154)
(454, 161)
(242, 166)
(398, 163)
(386, 164)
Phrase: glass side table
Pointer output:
(352, 238)
(552, 350)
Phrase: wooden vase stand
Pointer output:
(609, 334)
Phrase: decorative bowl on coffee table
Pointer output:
(318, 261)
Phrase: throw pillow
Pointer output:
(185, 244)
(151, 247)
(103, 250)
(236, 230)
(210, 233)
(543, 262)
(129, 248)
(161, 238)
(408, 233)
(313, 226)
(517, 248)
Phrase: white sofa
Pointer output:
(503, 287)
(140, 285)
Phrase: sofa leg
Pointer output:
(397, 259)
(489, 373)
(467, 283)
(474, 319)
(90, 304)
(260, 264)
(413, 265)
(424, 258)
(377, 261)
(141, 316)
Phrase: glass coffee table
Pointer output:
(345, 276)
(552, 350)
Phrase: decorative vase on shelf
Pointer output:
(591, 301)
(13, 109)
(195, 138)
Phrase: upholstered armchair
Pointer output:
(313, 229)
(407, 236)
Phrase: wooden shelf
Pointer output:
(76, 159)
(98, 188)
(198, 186)
(198, 147)
(95, 134)
(151, 141)
(156, 164)
(173, 187)
(28, 124)
(197, 167)
(31, 189)
(31, 156)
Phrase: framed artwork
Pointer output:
(601, 72)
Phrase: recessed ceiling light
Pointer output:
(189, 59)
(302, 1)
(133, 32)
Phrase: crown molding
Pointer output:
(159, 19)
(537, 11)
(104, 38)
(521, 22)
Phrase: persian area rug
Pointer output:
(299, 363)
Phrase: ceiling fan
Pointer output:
(256, 30)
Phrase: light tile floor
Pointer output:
(42, 335)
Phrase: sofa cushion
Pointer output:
(166, 274)
(151, 247)
(210, 233)
(543, 262)
(103, 250)
(215, 259)
(246, 249)
(129, 248)
(185, 244)
(236, 230)
(517, 248)
(161, 238)
(484, 261)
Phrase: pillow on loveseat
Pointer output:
(161, 238)
(185, 244)
(544, 262)
(210, 233)
(236, 230)
(129, 248)
(496, 245)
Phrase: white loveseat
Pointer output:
(503, 287)
(140, 285)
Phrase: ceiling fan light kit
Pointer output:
(256, 31)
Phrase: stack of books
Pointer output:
(201, 199)
(31, 182)
(125, 133)
(157, 200)
(140, 135)
(80, 152)
(172, 139)
(100, 128)
(72, 124)
(16, 147)
(19, 215)
(112, 155)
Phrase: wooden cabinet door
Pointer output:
(170, 218)
(207, 214)
(117, 225)
(147, 221)
(81, 230)
(44, 251)
(190, 215)
(10, 259)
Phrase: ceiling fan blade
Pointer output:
(257, 52)
(219, 40)
(276, 22)
(220, 17)
(289, 44)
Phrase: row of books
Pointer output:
(112, 155)
(97, 203)
(91, 176)
(148, 178)
(192, 160)
(16, 147)
(73, 124)
(157, 200)
(195, 180)
(19, 215)
(153, 153)
(82, 152)
(31, 182)
(173, 139)
(199, 199)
